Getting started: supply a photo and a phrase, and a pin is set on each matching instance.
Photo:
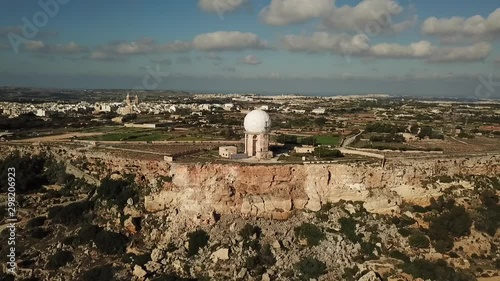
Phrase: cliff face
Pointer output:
(275, 190)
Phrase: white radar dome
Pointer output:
(257, 122)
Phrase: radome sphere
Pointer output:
(257, 122)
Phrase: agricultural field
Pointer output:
(327, 140)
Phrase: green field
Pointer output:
(327, 140)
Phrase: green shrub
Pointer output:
(249, 230)
(312, 233)
(39, 233)
(395, 254)
(350, 273)
(35, 222)
(443, 244)
(70, 240)
(110, 242)
(348, 228)
(117, 192)
(418, 240)
(311, 268)
(487, 218)
(99, 273)
(455, 222)
(261, 261)
(367, 248)
(71, 214)
(438, 270)
(197, 239)
(29, 171)
(60, 259)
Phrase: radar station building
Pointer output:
(257, 125)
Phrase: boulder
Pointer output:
(370, 276)
(139, 272)
(156, 255)
(242, 273)
(221, 254)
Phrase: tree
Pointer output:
(287, 139)
(327, 153)
(308, 141)
(320, 121)
(229, 134)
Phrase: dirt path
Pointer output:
(63, 137)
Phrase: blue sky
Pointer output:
(270, 46)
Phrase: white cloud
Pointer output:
(283, 12)
(359, 45)
(177, 46)
(33, 45)
(420, 49)
(325, 42)
(454, 29)
(216, 41)
(476, 52)
(118, 50)
(227, 40)
(221, 6)
(38, 46)
(70, 48)
(18, 29)
(103, 56)
(369, 16)
(251, 59)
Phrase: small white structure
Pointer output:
(227, 151)
(228, 106)
(41, 113)
(304, 149)
(257, 127)
(318, 110)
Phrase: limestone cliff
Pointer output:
(276, 190)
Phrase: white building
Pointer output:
(228, 106)
(257, 125)
(41, 113)
(318, 111)
(227, 151)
